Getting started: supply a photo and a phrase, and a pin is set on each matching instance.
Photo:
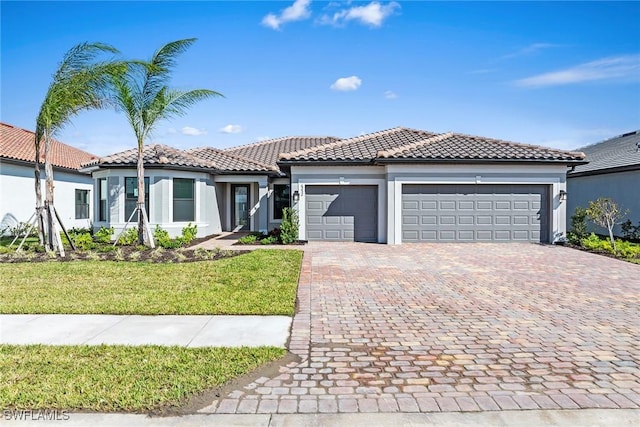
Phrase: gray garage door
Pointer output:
(342, 213)
(475, 213)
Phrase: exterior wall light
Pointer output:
(563, 195)
(296, 197)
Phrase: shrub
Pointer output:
(21, 228)
(578, 225)
(628, 249)
(189, 233)
(289, 226)
(630, 231)
(163, 240)
(103, 235)
(269, 240)
(129, 237)
(248, 239)
(595, 243)
(83, 241)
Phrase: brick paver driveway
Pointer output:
(456, 327)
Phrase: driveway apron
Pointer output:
(455, 327)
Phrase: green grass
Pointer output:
(117, 378)
(259, 282)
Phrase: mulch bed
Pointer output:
(125, 253)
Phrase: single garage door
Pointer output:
(475, 213)
(342, 213)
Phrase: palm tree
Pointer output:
(144, 97)
(80, 83)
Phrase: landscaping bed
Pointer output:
(122, 253)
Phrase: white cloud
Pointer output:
(390, 94)
(622, 67)
(231, 129)
(372, 14)
(532, 48)
(298, 11)
(347, 83)
(191, 131)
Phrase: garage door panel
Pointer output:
(475, 212)
(447, 220)
(343, 213)
(410, 205)
(427, 206)
(466, 235)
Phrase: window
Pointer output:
(82, 204)
(280, 199)
(183, 199)
(131, 196)
(102, 200)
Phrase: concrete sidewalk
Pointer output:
(188, 331)
(572, 418)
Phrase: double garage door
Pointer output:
(475, 213)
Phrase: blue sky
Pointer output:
(560, 74)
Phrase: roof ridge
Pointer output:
(521, 144)
(398, 150)
(342, 142)
(272, 140)
(622, 135)
(236, 156)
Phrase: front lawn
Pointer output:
(259, 282)
(118, 378)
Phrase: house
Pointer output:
(613, 171)
(394, 186)
(73, 189)
(217, 190)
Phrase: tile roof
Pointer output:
(360, 148)
(153, 155)
(620, 152)
(18, 144)
(456, 146)
(267, 152)
(228, 161)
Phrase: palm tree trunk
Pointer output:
(38, 188)
(140, 204)
(48, 171)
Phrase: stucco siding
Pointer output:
(621, 187)
(18, 199)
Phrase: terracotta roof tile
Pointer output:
(18, 144)
(267, 152)
(228, 161)
(153, 155)
(456, 146)
(360, 148)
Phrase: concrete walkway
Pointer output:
(569, 418)
(188, 331)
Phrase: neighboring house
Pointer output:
(613, 171)
(72, 194)
(398, 185)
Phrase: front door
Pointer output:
(240, 207)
